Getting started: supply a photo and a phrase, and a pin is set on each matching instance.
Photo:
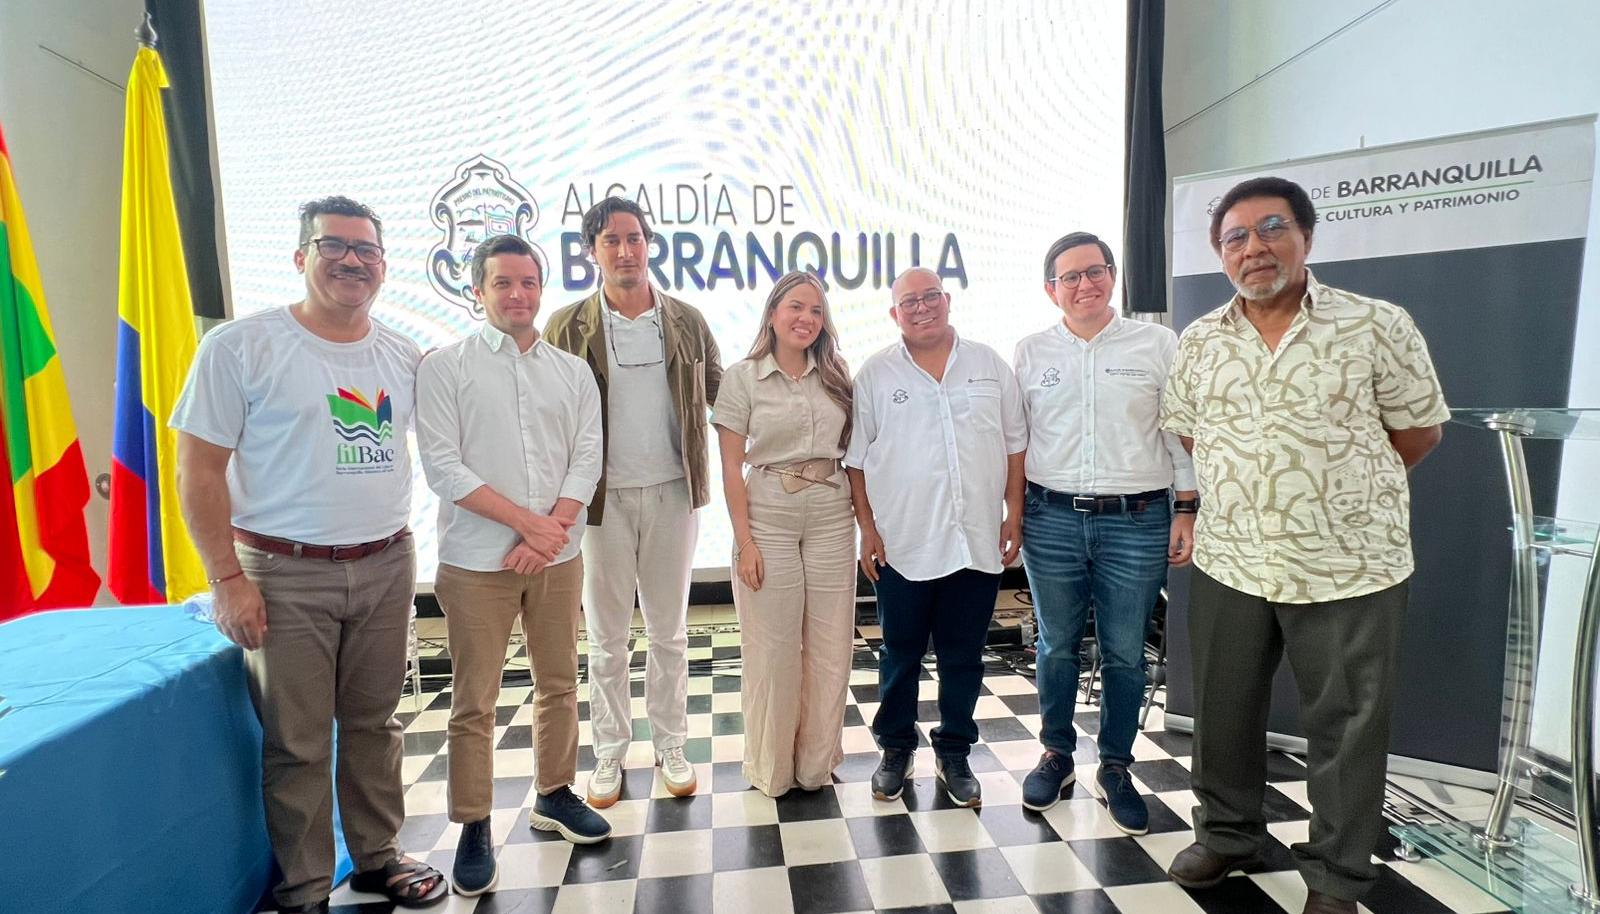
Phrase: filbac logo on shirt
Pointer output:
(366, 425)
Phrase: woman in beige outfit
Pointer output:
(784, 411)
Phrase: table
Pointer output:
(130, 767)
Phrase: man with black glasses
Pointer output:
(1099, 524)
(658, 369)
(295, 482)
(1304, 405)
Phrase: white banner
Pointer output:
(1514, 186)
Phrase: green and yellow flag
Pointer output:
(44, 544)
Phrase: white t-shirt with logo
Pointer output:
(317, 428)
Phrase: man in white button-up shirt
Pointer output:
(509, 429)
(1097, 524)
(936, 471)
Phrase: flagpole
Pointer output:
(145, 34)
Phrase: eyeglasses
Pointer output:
(1071, 278)
(928, 300)
(611, 338)
(331, 248)
(1268, 230)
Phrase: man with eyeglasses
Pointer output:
(658, 369)
(1099, 526)
(1304, 406)
(295, 482)
(935, 463)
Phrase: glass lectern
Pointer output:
(1524, 862)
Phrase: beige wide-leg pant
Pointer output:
(797, 632)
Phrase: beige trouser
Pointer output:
(335, 650)
(646, 542)
(797, 632)
(479, 608)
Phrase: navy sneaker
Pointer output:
(1042, 788)
(561, 811)
(1114, 784)
(890, 778)
(474, 872)
(960, 785)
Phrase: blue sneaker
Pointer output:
(562, 811)
(1043, 786)
(1114, 784)
(475, 871)
(960, 784)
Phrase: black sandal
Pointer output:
(403, 891)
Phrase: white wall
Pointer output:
(1307, 84)
(64, 129)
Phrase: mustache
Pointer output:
(349, 273)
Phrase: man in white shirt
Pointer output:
(1097, 526)
(295, 482)
(935, 464)
(658, 369)
(509, 430)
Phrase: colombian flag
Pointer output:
(44, 545)
(152, 559)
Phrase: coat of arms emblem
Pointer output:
(480, 201)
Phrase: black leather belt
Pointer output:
(1102, 504)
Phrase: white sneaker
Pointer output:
(676, 772)
(605, 784)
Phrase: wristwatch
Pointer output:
(1186, 506)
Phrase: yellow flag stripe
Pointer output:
(41, 567)
(153, 297)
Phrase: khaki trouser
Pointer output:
(335, 650)
(479, 608)
(797, 632)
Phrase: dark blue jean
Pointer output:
(955, 610)
(1118, 563)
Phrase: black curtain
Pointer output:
(1144, 242)
(177, 24)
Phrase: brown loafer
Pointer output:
(1200, 867)
(1318, 903)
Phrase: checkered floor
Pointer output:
(730, 850)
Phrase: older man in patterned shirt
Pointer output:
(1303, 405)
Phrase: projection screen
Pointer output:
(850, 139)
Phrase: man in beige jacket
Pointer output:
(657, 367)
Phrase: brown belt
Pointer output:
(802, 474)
(308, 551)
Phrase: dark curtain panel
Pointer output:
(1144, 243)
(177, 24)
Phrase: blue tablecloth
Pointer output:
(130, 767)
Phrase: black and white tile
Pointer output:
(730, 850)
